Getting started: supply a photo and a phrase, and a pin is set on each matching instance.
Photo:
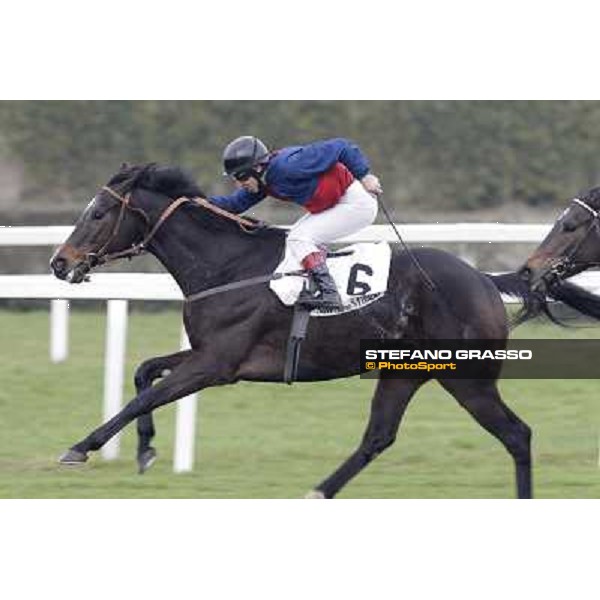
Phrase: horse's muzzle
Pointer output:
(538, 280)
(73, 273)
(60, 267)
(535, 279)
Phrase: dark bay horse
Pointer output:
(571, 246)
(242, 334)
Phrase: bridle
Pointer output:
(101, 256)
(566, 263)
(587, 207)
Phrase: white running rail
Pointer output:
(118, 288)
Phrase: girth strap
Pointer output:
(236, 285)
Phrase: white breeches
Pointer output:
(355, 210)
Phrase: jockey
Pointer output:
(330, 179)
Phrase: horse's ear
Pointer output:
(124, 166)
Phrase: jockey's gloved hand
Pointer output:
(257, 224)
(372, 184)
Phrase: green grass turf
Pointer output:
(274, 441)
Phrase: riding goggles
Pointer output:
(242, 176)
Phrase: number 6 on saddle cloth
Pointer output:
(361, 274)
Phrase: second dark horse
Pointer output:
(242, 334)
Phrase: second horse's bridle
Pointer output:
(566, 262)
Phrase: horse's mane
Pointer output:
(163, 179)
(175, 182)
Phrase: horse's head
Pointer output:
(119, 218)
(109, 224)
(572, 245)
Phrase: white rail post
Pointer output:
(59, 330)
(185, 426)
(114, 369)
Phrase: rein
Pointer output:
(101, 257)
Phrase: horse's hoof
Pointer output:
(73, 457)
(315, 495)
(145, 460)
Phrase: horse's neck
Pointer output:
(199, 258)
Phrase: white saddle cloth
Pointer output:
(360, 274)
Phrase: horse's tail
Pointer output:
(535, 303)
(511, 285)
(576, 297)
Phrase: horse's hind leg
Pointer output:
(387, 408)
(482, 400)
(196, 372)
(145, 375)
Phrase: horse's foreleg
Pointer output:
(145, 375)
(188, 377)
(387, 408)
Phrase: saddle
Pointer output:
(360, 272)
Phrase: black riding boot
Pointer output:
(327, 295)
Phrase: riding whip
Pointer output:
(404, 245)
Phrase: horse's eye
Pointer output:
(97, 215)
(569, 227)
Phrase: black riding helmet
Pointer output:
(241, 156)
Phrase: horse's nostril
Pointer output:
(58, 264)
